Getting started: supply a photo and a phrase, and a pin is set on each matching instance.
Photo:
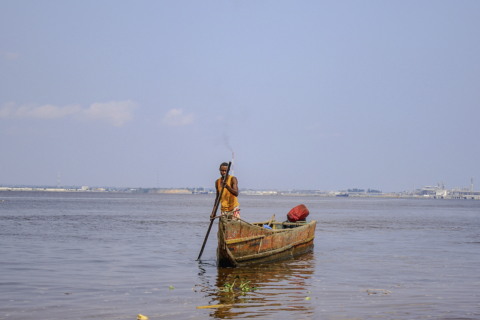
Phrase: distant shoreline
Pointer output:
(256, 193)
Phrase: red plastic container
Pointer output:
(300, 212)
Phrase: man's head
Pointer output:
(223, 169)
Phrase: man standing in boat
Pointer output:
(229, 202)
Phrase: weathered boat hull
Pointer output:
(241, 243)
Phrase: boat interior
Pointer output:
(276, 225)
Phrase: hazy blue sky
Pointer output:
(309, 94)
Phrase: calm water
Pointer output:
(112, 256)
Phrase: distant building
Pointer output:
(171, 191)
(440, 192)
(457, 194)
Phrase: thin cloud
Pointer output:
(115, 112)
(330, 136)
(314, 126)
(9, 55)
(46, 111)
(175, 118)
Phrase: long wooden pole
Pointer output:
(270, 222)
(214, 211)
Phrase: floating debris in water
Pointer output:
(215, 306)
(199, 285)
(307, 298)
(142, 317)
(376, 291)
(244, 286)
(171, 287)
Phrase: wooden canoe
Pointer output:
(241, 243)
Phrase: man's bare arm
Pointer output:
(234, 188)
(216, 198)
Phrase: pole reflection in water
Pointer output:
(283, 286)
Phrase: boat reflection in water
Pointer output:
(283, 285)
